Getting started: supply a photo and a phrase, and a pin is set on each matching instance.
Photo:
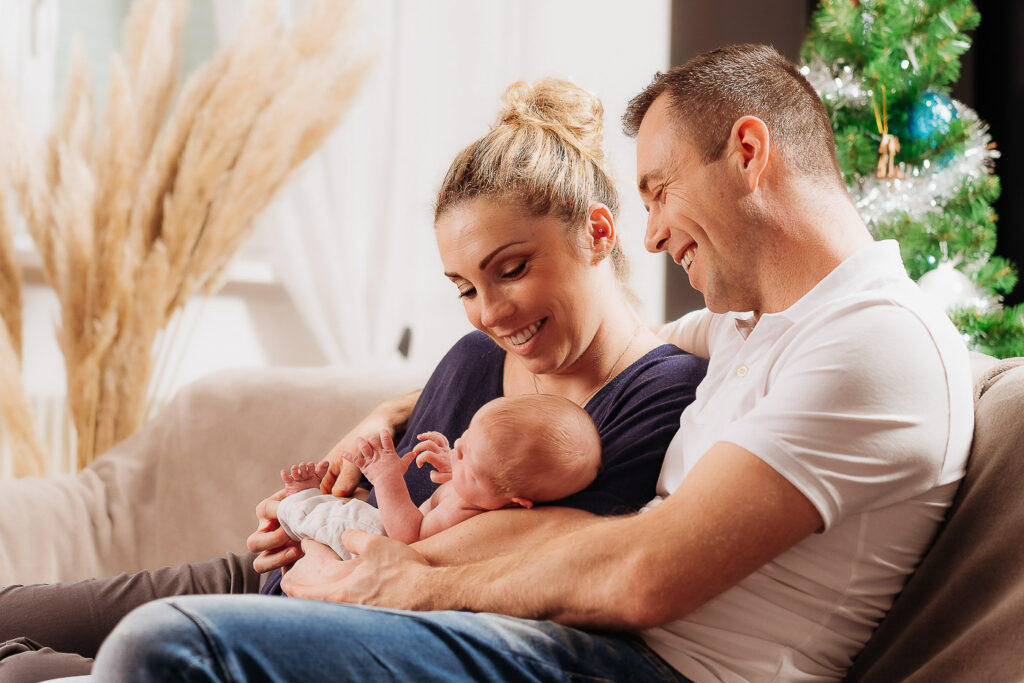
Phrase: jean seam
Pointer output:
(211, 643)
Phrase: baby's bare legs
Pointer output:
(305, 475)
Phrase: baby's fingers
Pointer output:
(435, 437)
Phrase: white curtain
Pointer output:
(352, 233)
(28, 43)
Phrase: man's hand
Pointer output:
(275, 547)
(314, 576)
(433, 449)
(387, 573)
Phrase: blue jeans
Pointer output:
(260, 638)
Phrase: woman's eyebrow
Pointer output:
(486, 259)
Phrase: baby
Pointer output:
(517, 451)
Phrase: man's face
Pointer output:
(693, 211)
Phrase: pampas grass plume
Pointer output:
(135, 217)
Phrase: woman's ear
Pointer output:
(750, 146)
(600, 231)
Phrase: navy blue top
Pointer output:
(636, 415)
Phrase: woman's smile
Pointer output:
(520, 338)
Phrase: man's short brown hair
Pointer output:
(714, 89)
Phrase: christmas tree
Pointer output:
(918, 164)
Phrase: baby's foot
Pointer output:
(305, 475)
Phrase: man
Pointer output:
(805, 482)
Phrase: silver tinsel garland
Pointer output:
(923, 189)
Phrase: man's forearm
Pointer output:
(732, 514)
(500, 532)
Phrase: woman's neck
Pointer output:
(619, 340)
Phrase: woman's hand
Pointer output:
(342, 476)
(275, 547)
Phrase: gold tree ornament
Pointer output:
(136, 214)
(889, 146)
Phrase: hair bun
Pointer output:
(564, 108)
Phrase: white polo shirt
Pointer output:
(859, 394)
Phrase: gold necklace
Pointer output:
(611, 373)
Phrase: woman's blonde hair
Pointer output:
(545, 152)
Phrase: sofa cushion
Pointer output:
(185, 486)
(961, 615)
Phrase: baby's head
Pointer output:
(521, 450)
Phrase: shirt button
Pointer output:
(742, 371)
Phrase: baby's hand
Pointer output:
(433, 448)
(378, 458)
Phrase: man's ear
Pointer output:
(523, 502)
(750, 146)
(600, 230)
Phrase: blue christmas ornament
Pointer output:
(930, 116)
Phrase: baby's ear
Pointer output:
(522, 502)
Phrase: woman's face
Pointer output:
(523, 282)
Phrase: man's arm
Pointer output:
(479, 538)
(732, 514)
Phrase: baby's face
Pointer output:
(471, 455)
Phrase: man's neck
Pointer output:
(816, 233)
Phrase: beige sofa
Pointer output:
(184, 488)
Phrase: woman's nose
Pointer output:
(656, 236)
(494, 308)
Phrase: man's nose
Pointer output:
(656, 236)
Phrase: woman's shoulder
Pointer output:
(662, 382)
(472, 349)
(666, 363)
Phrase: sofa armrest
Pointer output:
(960, 616)
(186, 485)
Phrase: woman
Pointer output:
(525, 224)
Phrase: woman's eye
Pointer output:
(466, 291)
(514, 272)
